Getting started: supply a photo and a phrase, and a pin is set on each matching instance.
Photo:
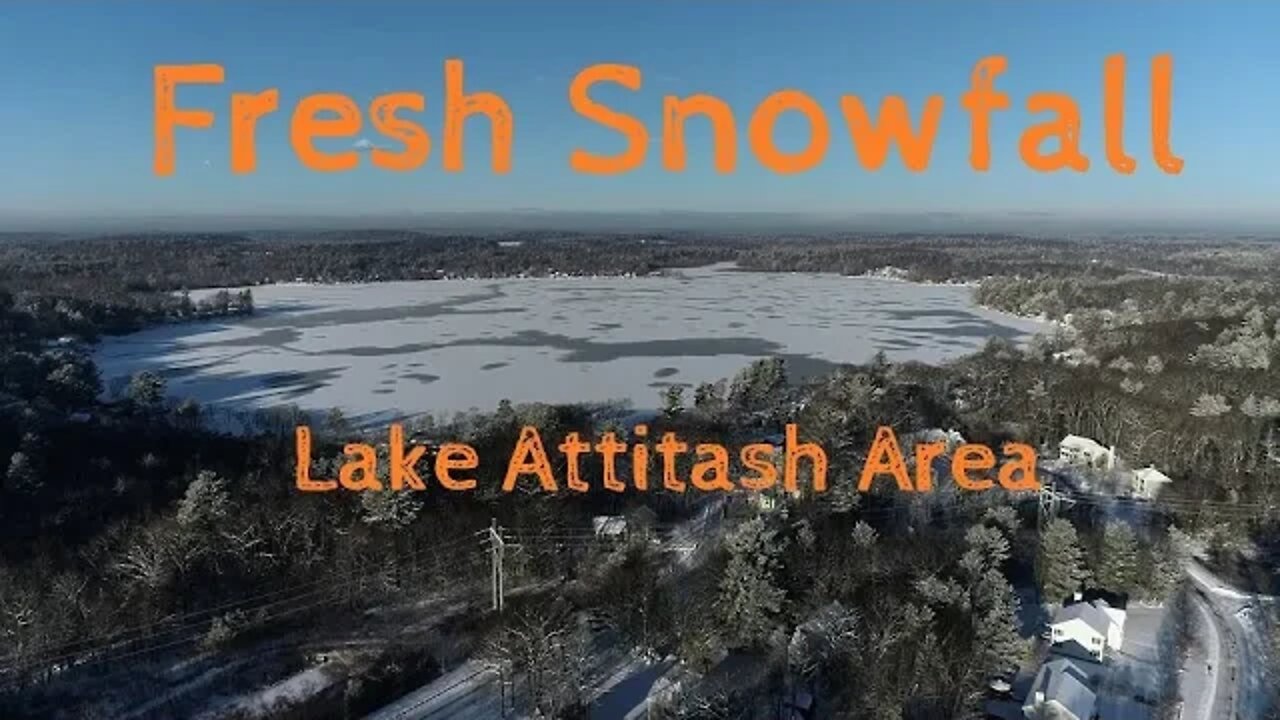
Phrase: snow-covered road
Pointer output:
(1241, 687)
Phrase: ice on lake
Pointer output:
(405, 348)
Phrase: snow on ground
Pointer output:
(469, 692)
(291, 690)
(625, 695)
(450, 345)
(1136, 668)
(1238, 616)
(164, 699)
(1201, 674)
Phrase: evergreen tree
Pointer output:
(205, 502)
(390, 509)
(758, 384)
(1117, 568)
(1060, 567)
(750, 599)
(1160, 570)
(21, 475)
(673, 400)
(146, 389)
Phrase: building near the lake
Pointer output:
(609, 526)
(1064, 688)
(1086, 452)
(1092, 620)
(1148, 482)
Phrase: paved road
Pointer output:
(1203, 684)
(1241, 689)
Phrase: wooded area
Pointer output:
(132, 531)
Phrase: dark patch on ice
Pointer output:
(175, 373)
(586, 351)
(804, 367)
(976, 328)
(424, 378)
(293, 379)
(665, 372)
(360, 316)
(493, 365)
(943, 313)
(268, 338)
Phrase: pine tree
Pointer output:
(1061, 568)
(390, 509)
(1161, 569)
(750, 599)
(146, 389)
(673, 400)
(21, 475)
(205, 502)
(1118, 560)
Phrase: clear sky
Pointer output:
(76, 131)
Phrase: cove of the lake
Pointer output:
(394, 349)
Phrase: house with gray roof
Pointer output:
(1064, 688)
(1094, 625)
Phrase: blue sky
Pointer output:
(76, 120)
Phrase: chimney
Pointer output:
(1077, 596)
(1039, 697)
(1111, 457)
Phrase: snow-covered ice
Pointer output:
(405, 348)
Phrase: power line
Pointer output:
(338, 581)
(207, 613)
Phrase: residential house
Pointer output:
(1148, 482)
(1064, 688)
(609, 526)
(1116, 604)
(1094, 624)
(1086, 452)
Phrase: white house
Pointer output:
(1086, 452)
(1148, 482)
(1094, 625)
(1064, 688)
(609, 526)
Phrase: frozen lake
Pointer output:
(405, 348)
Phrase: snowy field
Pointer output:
(404, 348)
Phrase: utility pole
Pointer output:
(497, 548)
(1049, 501)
